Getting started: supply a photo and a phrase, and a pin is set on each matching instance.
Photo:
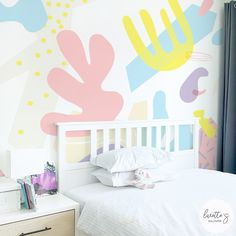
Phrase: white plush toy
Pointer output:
(143, 179)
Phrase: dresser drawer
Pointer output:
(9, 201)
(60, 224)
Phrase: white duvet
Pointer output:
(171, 209)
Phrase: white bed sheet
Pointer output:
(171, 209)
(91, 192)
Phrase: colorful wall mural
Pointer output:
(90, 60)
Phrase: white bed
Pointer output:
(172, 208)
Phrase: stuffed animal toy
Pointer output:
(143, 179)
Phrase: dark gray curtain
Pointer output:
(226, 160)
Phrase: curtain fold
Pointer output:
(226, 159)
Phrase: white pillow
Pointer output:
(128, 159)
(121, 179)
(118, 179)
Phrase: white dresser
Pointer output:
(54, 216)
(9, 195)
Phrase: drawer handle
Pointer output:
(35, 232)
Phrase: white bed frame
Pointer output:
(77, 174)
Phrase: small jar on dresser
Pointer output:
(55, 215)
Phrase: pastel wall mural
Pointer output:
(189, 90)
(91, 60)
(162, 60)
(31, 14)
(87, 94)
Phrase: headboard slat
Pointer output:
(158, 137)
(168, 133)
(149, 136)
(94, 143)
(176, 139)
(139, 136)
(117, 138)
(105, 140)
(127, 137)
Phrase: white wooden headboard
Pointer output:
(164, 134)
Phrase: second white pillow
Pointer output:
(128, 159)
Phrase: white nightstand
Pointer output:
(54, 216)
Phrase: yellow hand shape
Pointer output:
(162, 60)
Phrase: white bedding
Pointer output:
(91, 192)
(171, 209)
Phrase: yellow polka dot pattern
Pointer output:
(20, 132)
(30, 103)
(37, 73)
(49, 51)
(43, 40)
(37, 55)
(48, 3)
(44, 50)
(45, 95)
(64, 63)
(19, 63)
(65, 14)
(53, 31)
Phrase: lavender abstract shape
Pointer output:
(189, 90)
(30, 13)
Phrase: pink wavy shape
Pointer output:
(207, 149)
(206, 5)
(96, 103)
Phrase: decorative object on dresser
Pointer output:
(28, 198)
(45, 183)
(9, 195)
(54, 215)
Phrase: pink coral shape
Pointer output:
(207, 149)
(96, 103)
(206, 5)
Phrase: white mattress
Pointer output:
(172, 208)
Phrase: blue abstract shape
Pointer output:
(30, 13)
(138, 72)
(159, 106)
(160, 112)
(185, 137)
(218, 38)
